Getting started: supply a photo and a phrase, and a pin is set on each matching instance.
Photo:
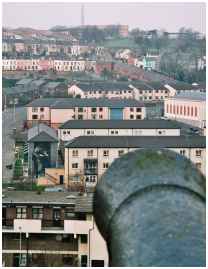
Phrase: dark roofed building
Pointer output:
(138, 142)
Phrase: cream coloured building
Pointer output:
(140, 90)
(56, 111)
(189, 108)
(74, 128)
(88, 157)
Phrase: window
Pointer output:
(173, 109)
(192, 111)
(75, 153)
(182, 152)
(198, 153)
(80, 109)
(97, 263)
(83, 260)
(68, 132)
(34, 117)
(120, 152)
(138, 117)
(100, 109)
(181, 110)
(21, 212)
(196, 112)
(80, 117)
(42, 109)
(37, 213)
(94, 116)
(83, 238)
(177, 109)
(90, 153)
(93, 109)
(132, 109)
(184, 111)
(105, 165)
(100, 116)
(74, 165)
(131, 116)
(69, 212)
(188, 111)
(91, 178)
(106, 153)
(35, 109)
(139, 109)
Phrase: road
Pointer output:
(8, 124)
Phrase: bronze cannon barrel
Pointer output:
(150, 208)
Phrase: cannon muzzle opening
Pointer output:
(150, 208)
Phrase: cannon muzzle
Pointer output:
(150, 208)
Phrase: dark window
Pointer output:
(80, 109)
(131, 116)
(80, 117)
(100, 109)
(97, 263)
(42, 109)
(93, 109)
(139, 109)
(83, 238)
(132, 109)
(84, 261)
(34, 117)
(138, 117)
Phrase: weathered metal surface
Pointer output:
(150, 208)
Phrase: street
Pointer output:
(9, 122)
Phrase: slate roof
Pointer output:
(103, 86)
(82, 203)
(195, 96)
(42, 102)
(78, 102)
(24, 81)
(138, 142)
(42, 133)
(52, 85)
(119, 124)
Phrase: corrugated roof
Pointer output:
(138, 142)
(119, 124)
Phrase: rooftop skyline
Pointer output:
(147, 16)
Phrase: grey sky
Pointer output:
(169, 16)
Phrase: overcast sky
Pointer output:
(169, 16)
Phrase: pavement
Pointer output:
(8, 124)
